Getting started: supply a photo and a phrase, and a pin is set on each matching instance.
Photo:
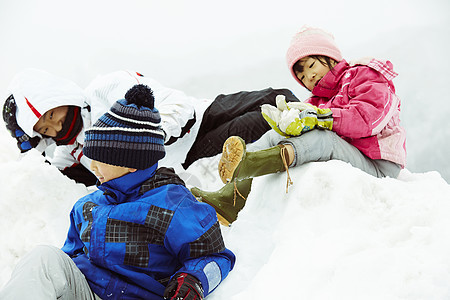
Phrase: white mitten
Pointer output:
(294, 118)
(272, 115)
(287, 117)
(280, 100)
(295, 122)
(283, 105)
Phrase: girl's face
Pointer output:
(52, 121)
(313, 71)
(105, 172)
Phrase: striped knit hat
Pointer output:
(129, 134)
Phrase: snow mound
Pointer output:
(338, 233)
(341, 234)
(35, 202)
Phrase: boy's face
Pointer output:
(313, 71)
(52, 121)
(106, 172)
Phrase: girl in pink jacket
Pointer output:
(352, 116)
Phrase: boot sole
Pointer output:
(232, 153)
(223, 221)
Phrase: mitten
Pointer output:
(24, 141)
(184, 286)
(273, 116)
(294, 118)
(296, 122)
(283, 105)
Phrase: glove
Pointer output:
(273, 115)
(184, 286)
(295, 118)
(24, 141)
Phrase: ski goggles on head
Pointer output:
(24, 141)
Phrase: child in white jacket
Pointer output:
(38, 98)
(43, 109)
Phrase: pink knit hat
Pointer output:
(311, 41)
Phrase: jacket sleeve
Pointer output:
(62, 157)
(195, 238)
(371, 104)
(69, 155)
(176, 108)
(73, 245)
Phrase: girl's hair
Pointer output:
(324, 60)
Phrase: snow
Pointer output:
(342, 234)
(338, 233)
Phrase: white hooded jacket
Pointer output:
(37, 91)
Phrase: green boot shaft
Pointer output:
(228, 201)
(237, 163)
(260, 163)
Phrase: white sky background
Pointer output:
(206, 48)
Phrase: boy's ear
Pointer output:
(132, 170)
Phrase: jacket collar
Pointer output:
(328, 86)
(121, 189)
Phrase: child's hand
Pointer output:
(273, 116)
(297, 122)
(282, 105)
(294, 118)
(184, 286)
(24, 141)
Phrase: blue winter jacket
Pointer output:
(133, 234)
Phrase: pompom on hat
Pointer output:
(311, 41)
(129, 134)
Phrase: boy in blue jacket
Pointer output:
(142, 235)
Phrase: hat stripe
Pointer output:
(127, 129)
(109, 121)
(131, 138)
(125, 157)
(142, 113)
(127, 145)
(154, 124)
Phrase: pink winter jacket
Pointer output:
(365, 108)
